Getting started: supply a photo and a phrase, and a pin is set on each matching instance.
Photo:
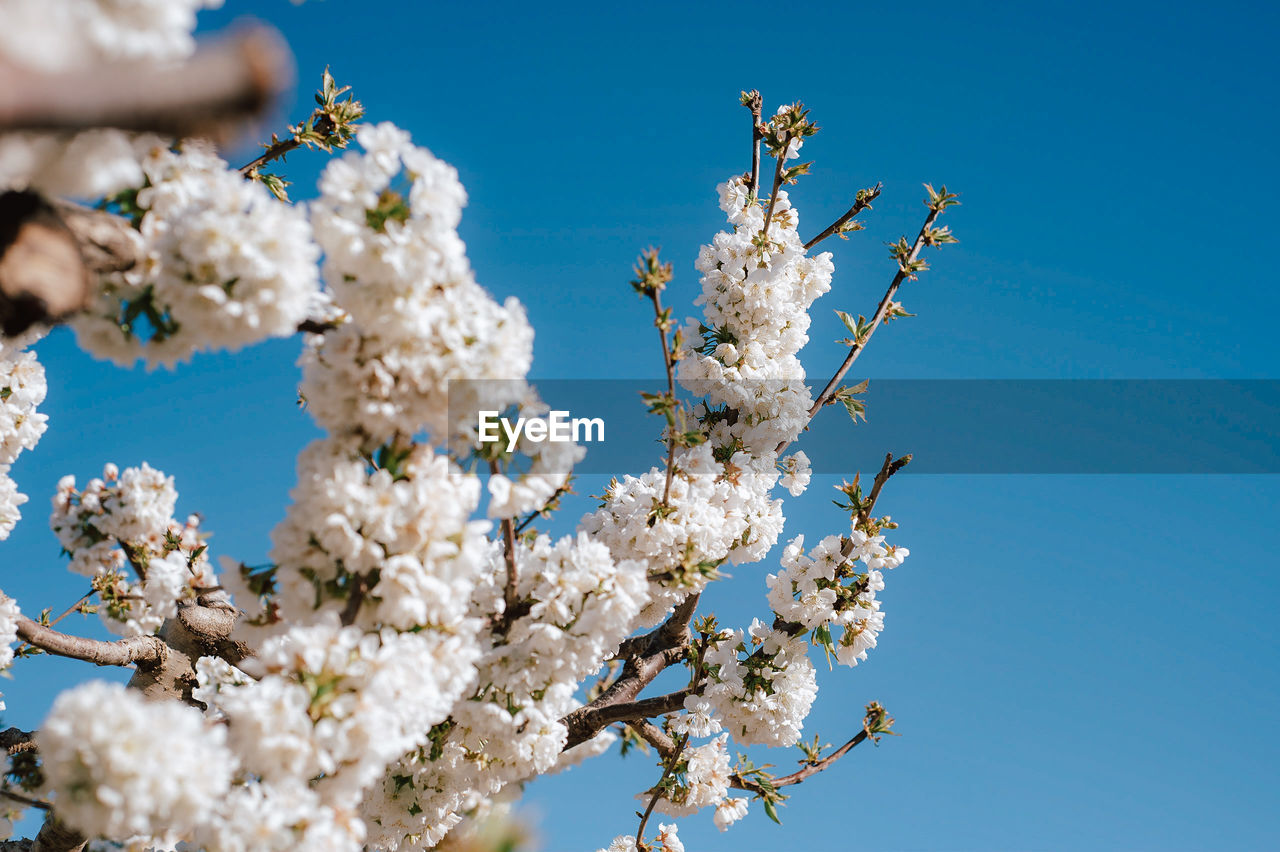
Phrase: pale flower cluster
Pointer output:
(583, 606)
(22, 389)
(61, 35)
(120, 532)
(718, 514)
(226, 264)
(119, 765)
(763, 684)
(9, 614)
(405, 675)
(387, 221)
(822, 589)
(706, 782)
(666, 840)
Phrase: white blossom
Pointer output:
(118, 765)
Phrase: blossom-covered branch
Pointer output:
(909, 265)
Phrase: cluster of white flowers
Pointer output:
(757, 294)
(762, 684)
(9, 614)
(717, 512)
(225, 264)
(796, 473)
(666, 840)
(119, 765)
(706, 780)
(91, 164)
(387, 221)
(381, 661)
(582, 606)
(823, 589)
(22, 389)
(125, 520)
(409, 528)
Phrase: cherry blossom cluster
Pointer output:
(823, 589)
(509, 730)
(666, 840)
(226, 264)
(22, 389)
(387, 221)
(125, 767)
(120, 532)
(9, 613)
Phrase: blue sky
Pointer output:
(1074, 661)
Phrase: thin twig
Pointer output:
(668, 767)
(755, 103)
(888, 469)
(509, 591)
(773, 196)
(804, 772)
(559, 492)
(862, 203)
(75, 606)
(681, 742)
(881, 311)
(669, 363)
(26, 800)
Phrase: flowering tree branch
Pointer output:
(909, 264)
(646, 657)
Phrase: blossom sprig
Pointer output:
(332, 124)
(847, 223)
(652, 277)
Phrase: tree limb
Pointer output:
(863, 202)
(145, 651)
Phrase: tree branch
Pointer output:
(510, 595)
(654, 736)
(145, 651)
(25, 800)
(863, 202)
(752, 101)
(882, 310)
(224, 83)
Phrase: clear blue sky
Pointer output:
(1075, 662)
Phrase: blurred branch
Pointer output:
(143, 650)
(224, 83)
